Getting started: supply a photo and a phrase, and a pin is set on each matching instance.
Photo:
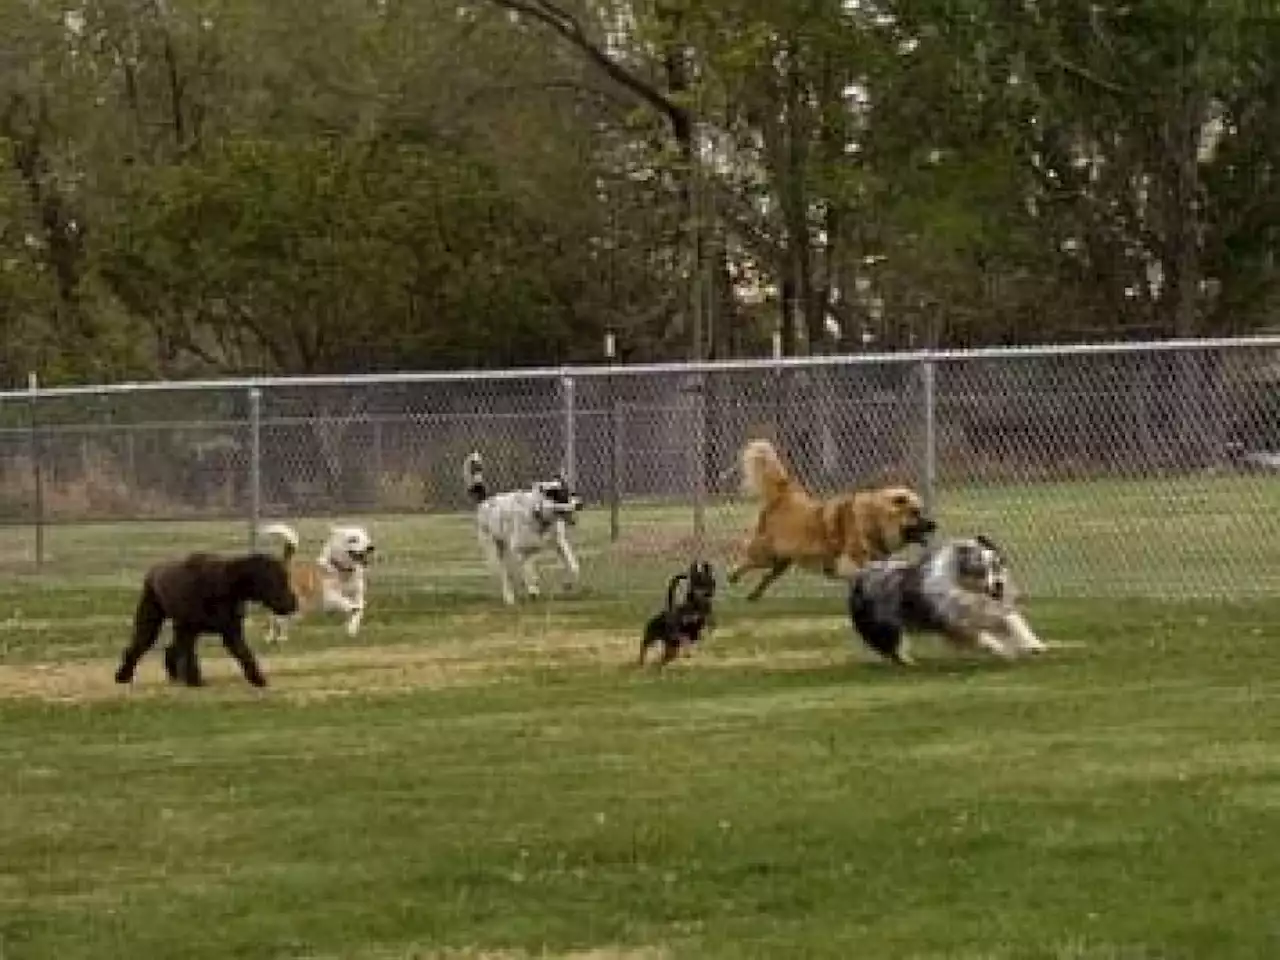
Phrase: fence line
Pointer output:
(1140, 467)
(650, 369)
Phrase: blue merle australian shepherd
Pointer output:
(958, 588)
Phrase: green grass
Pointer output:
(469, 781)
(1178, 537)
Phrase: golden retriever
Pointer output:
(834, 536)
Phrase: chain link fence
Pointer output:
(1131, 470)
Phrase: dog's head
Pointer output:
(898, 517)
(556, 500)
(349, 547)
(981, 567)
(264, 579)
(702, 582)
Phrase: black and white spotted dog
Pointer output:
(959, 588)
(515, 526)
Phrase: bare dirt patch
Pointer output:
(483, 652)
(299, 673)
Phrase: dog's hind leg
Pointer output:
(173, 666)
(495, 558)
(653, 633)
(756, 555)
(529, 575)
(778, 568)
(147, 621)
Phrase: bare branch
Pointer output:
(1088, 76)
(562, 22)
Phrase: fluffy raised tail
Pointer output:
(473, 477)
(285, 533)
(763, 474)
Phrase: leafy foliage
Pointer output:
(231, 186)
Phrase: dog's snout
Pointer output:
(920, 530)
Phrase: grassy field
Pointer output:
(472, 782)
(1201, 536)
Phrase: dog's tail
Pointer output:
(285, 533)
(763, 473)
(473, 477)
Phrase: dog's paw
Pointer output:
(124, 675)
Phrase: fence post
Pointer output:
(37, 464)
(255, 465)
(929, 451)
(777, 387)
(570, 453)
(699, 390)
(615, 441)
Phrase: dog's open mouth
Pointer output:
(919, 531)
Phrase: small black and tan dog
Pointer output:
(679, 626)
(204, 593)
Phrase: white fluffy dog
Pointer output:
(513, 527)
(333, 583)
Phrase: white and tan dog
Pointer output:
(332, 583)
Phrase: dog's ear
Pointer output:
(984, 541)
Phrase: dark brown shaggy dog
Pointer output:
(833, 536)
(205, 594)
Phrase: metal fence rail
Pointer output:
(1109, 470)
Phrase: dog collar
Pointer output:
(341, 568)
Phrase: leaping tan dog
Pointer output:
(833, 536)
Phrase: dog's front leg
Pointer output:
(185, 660)
(992, 644)
(357, 598)
(352, 607)
(1021, 635)
(354, 619)
(233, 640)
(277, 628)
(567, 557)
